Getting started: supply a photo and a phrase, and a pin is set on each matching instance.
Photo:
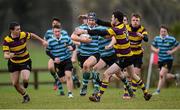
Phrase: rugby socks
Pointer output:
(60, 87)
(125, 91)
(134, 85)
(54, 76)
(141, 84)
(58, 83)
(126, 83)
(103, 88)
(95, 75)
(96, 86)
(86, 76)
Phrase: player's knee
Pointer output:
(85, 67)
(161, 74)
(68, 77)
(73, 60)
(51, 69)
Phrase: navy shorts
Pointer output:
(12, 67)
(110, 60)
(137, 60)
(167, 64)
(82, 59)
(65, 65)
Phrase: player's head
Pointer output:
(125, 19)
(91, 19)
(163, 31)
(117, 17)
(56, 21)
(57, 31)
(135, 20)
(82, 19)
(14, 28)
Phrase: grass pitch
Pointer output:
(46, 98)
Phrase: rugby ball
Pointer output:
(85, 35)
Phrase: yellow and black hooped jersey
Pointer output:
(122, 46)
(18, 47)
(135, 40)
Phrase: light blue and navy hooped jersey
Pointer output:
(88, 49)
(165, 44)
(58, 47)
(104, 42)
(49, 34)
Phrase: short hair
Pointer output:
(56, 19)
(164, 27)
(136, 15)
(57, 27)
(82, 16)
(12, 25)
(119, 15)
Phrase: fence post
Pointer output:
(36, 79)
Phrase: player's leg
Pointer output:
(89, 62)
(137, 62)
(15, 82)
(61, 78)
(107, 74)
(69, 82)
(162, 77)
(140, 83)
(171, 76)
(137, 71)
(100, 65)
(74, 56)
(14, 70)
(128, 92)
(51, 68)
(175, 77)
(25, 72)
(76, 81)
(68, 75)
(25, 76)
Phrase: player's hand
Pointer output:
(169, 52)
(139, 34)
(108, 47)
(11, 55)
(57, 60)
(86, 39)
(70, 48)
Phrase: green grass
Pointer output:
(46, 98)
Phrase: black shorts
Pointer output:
(167, 64)
(65, 65)
(137, 61)
(82, 59)
(124, 62)
(12, 67)
(110, 60)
